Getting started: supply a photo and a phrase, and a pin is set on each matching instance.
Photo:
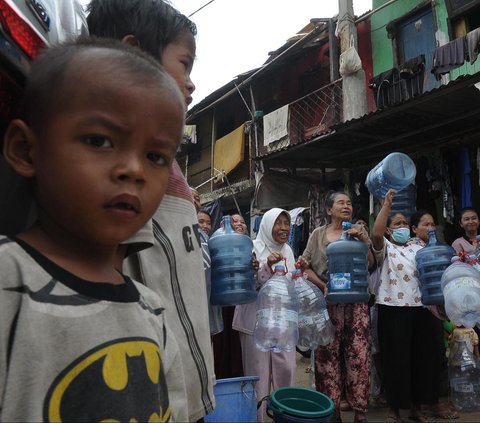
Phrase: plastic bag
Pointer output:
(350, 61)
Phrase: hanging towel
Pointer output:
(473, 45)
(449, 56)
(275, 125)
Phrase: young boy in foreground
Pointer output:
(97, 136)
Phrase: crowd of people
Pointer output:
(410, 356)
(107, 293)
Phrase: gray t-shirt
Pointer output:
(73, 350)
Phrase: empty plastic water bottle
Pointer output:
(432, 260)
(464, 377)
(314, 325)
(461, 289)
(347, 269)
(276, 328)
(396, 171)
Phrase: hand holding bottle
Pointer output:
(388, 198)
(273, 258)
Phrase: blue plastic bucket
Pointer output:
(299, 405)
(236, 400)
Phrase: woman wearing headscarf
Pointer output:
(274, 369)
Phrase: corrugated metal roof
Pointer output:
(429, 120)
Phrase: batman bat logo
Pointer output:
(120, 381)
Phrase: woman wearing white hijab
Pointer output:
(276, 369)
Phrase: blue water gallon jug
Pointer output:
(432, 260)
(232, 271)
(405, 201)
(396, 171)
(347, 269)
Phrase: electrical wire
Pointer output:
(198, 10)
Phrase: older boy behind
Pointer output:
(173, 265)
(79, 341)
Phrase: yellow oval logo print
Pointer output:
(120, 381)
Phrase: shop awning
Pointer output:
(430, 120)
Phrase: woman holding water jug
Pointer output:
(274, 369)
(408, 333)
(351, 346)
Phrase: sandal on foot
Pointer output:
(393, 418)
(421, 418)
(445, 411)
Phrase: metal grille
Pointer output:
(315, 113)
(309, 117)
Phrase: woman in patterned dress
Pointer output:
(409, 334)
(344, 363)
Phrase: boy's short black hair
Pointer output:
(50, 72)
(154, 23)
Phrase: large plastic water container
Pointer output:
(314, 325)
(432, 260)
(232, 271)
(405, 201)
(276, 328)
(347, 269)
(461, 289)
(396, 171)
(236, 400)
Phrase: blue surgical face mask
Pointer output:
(401, 235)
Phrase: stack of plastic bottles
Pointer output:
(276, 328)
(432, 260)
(461, 289)
(314, 325)
(347, 269)
(464, 377)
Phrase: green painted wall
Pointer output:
(382, 47)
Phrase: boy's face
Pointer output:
(177, 59)
(102, 166)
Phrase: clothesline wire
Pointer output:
(198, 10)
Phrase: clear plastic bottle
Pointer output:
(314, 325)
(461, 290)
(276, 328)
(464, 377)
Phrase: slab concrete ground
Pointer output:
(375, 414)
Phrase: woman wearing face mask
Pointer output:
(407, 331)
